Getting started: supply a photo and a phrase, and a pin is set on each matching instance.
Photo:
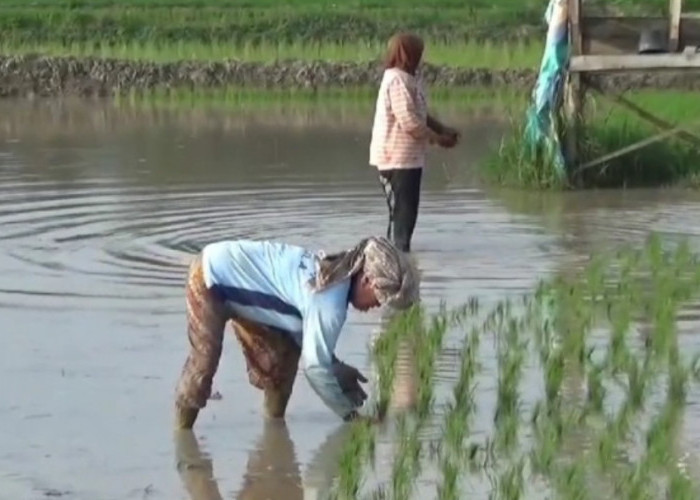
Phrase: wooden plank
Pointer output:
(636, 62)
(675, 7)
(574, 7)
(627, 17)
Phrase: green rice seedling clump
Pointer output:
(612, 327)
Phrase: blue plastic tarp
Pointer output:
(540, 129)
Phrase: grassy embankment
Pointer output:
(475, 33)
(592, 383)
(672, 161)
(493, 35)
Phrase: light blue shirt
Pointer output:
(267, 282)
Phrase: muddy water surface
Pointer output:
(100, 209)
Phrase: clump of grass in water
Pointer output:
(429, 344)
(459, 410)
(511, 355)
(606, 129)
(428, 338)
(456, 422)
(406, 467)
(403, 327)
(514, 164)
(664, 163)
(358, 446)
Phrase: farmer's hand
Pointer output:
(370, 419)
(349, 379)
(448, 139)
(450, 131)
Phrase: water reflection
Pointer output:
(272, 470)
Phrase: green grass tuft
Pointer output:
(607, 129)
(465, 54)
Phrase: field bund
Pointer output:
(34, 75)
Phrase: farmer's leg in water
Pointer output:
(385, 177)
(402, 191)
(272, 360)
(206, 319)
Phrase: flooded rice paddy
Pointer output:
(101, 206)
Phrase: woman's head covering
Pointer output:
(405, 51)
(394, 277)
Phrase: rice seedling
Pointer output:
(406, 466)
(213, 22)
(352, 460)
(344, 99)
(513, 164)
(449, 488)
(548, 435)
(650, 6)
(465, 54)
(572, 481)
(311, 21)
(680, 486)
(429, 344)
(510, 484)
(511, 356)
(463, 406)
(580, 324)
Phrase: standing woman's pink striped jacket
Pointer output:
(400, 134)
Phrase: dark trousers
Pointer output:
(402, 190)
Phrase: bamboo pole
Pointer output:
(635, 146)
(573, 102)
(645, 115)
(675, 9)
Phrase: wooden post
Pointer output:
(675, 9)
(575, 26)
(573, 102)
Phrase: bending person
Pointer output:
(286, 303)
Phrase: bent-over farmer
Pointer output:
(285, 303)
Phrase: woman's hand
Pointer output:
(448, 139)
(451, 131)
(349, 379)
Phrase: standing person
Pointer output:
(286, 303)
(401, 133)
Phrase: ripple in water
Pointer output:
(113, 241)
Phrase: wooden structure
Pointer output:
(605, 44)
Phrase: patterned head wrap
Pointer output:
(394, 276)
